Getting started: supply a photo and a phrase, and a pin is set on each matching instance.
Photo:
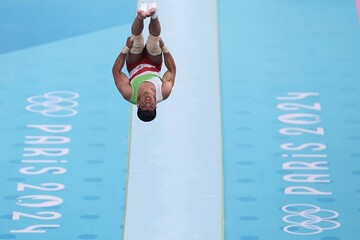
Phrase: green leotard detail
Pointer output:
(135, 83)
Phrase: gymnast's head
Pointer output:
(146, 106)
(147, 115)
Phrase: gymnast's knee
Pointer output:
(138, 45)
(153, 45)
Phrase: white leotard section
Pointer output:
(158, 83)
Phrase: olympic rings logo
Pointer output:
(54, 104)
(303, 221)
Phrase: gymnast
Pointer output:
(145, 87)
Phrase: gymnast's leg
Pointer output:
(136, 52)
(152, 43)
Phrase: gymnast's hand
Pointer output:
(129, 42)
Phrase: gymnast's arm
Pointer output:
(169, 76)
(122, 82)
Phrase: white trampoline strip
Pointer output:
(174, 186)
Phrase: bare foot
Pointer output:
(151, 12)
(141, 14)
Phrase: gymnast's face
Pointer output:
(147, 101)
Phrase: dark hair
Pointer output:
(147, 115)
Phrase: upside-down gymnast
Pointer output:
(145, 87)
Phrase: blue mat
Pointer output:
(289, 73)
(64, 126)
